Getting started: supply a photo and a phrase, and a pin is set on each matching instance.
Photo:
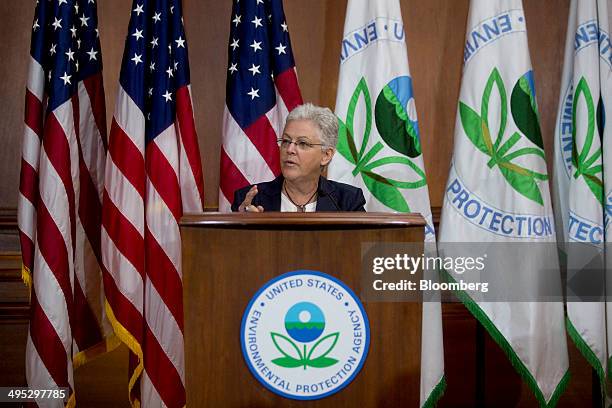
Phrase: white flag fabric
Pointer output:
(379, 149)
(605, 73)
(497, 192)
(579, 191)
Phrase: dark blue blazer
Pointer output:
(333, 196)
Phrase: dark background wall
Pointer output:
(435, 31)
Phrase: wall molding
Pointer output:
(8, 219)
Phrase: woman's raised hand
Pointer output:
(246, 205)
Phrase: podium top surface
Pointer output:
(371, 219)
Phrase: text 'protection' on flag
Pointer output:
(498, 172)
(580, 165)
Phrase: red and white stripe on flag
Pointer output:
(59, 210)
(147, 189)
(262, 89)
(153, 175)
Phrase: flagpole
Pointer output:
(480, 366)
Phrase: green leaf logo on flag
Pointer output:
(589, 167)
(524, 113)
(397, 130)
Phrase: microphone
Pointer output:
(323, 193)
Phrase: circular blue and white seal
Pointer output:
(305, 335)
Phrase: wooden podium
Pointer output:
(228, 257)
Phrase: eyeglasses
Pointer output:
(300, 144)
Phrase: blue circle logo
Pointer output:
(304, 322)
(305, 335)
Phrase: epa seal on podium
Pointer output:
(305, 335)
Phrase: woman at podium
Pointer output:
(306, 147)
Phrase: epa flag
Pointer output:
(153, 175)
(261, 90)
(60, 193)
(605, 75)
(499, 170)
(379, 147)
(581, 166)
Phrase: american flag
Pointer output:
(62, 168)
(153, 175)
(262, 88)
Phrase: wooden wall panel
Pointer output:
(15, 24)
(546, 25)
(503, 387)
(434, 31)
(113, 19)
(435, 37)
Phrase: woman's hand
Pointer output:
(246, 205)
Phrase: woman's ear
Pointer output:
(327, 156)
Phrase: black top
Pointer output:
(332, 196)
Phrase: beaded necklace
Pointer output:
(300, 207)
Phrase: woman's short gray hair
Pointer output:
(323, 118)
